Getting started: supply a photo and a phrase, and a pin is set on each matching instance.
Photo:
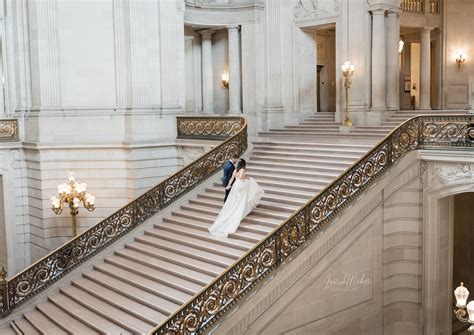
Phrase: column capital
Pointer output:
(393, 12)
(377, 11)
(233, 27)
(207, 33)
(426, 30)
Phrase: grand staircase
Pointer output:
(324, 125)
(141, 284)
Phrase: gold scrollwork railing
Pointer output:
(218, 129)
(34, 279)
(8, 130)
(220, 295)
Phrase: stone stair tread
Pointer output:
(130, 306)
(184, 261)
(262, 204)
(310, 134)
(295, 167)
(25, 327)
(11, 330)
(148, 271)
(305, 180)
(42, 323)
(189, 251)
(251, 218)
(202, 225)
(208, 210)
(162, 305)
(285, 185)
(285, 160)
(85, 315)
(174, 269)
(346, 157)
(313, 144)
(241, 235)
(111, 313)
(285, 171)
(64, 319)
(341, 150)
(164, 291)
(195, 242)
(275, 198)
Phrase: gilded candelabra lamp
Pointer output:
(71, 194)
(347, 72)
(464, 313)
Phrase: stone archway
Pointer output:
(444, 181)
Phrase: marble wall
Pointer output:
(458, 33)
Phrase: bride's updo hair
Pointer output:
(241, 164)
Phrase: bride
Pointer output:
(243, 198)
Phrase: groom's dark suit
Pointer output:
(228, 171)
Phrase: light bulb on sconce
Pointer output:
(461, 58)
(225, 79)
(400, 46)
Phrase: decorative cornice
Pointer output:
(212, 5)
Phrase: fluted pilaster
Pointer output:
(120, 40)
(273, 103)
(207, 82)
(393, 59)
(234, 70)
(378, 60)
(170, 51)
(139, 52)
(425, 68)
(48, 53)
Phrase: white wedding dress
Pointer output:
(243, 198)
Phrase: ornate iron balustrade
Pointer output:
(8, 130)
(49, 269)
(216, 128)
(421, 132)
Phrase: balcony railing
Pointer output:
(37, 277)
(421, 132)
(420, 6)
(8, 130)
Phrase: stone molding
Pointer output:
(316, 9)
(454, 173)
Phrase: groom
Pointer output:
(229, 168)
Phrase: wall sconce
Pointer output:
(465, 311)
(225, 79)
(461, 58)
(400, 46)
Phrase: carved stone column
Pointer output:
(207, 82)
(378, 60)
(234, 70)
(425, 69)
(393, 60)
